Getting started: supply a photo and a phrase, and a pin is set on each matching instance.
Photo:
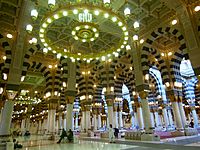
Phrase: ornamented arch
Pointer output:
(176, 58)
(31, 50)
(5, 67)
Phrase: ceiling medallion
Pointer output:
(85, 32)
(87, 24)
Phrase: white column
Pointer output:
(140, 118)
(65, 123)
(146, 113)
(39, 127)
(157, 120)
(1, 111)
(195, 117)
(160, 117)
(72, 121)
(83, 120)
(23, 126)
(99, 121)
(88, 122)
(120, 120)
(110, 115)
(116, 118)
(171, 122)
(136, 119)
(133, 120)
(165, 117)
(52, 121)
(152, 119)
(76, 121)
(60, 121)
(177, 115)
(95, 122)
(182, 113)
(6, 118)
(69, 116)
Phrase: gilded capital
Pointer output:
(70, 99)
(143, 94)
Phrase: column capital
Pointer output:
(143, 94)
(70, 99)
(110, 102)
(53, 103)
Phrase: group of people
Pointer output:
(68, 134)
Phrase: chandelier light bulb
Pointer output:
(34, 14)
(106, 1)
(29, 28)
(141, 41)
(136, 24)
(135, 37)
(51, 3)
(127, 11)
(4, 57)
(197, 8)
(34, 40)
(128, 47)
(10, 36)
(174, 22)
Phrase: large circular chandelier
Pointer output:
(80, 31)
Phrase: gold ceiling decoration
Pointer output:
(80, 31)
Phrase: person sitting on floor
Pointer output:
(63, 134)
(70, 136)
(16, 144)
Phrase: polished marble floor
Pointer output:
(42, 143)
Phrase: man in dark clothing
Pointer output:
(191, 124)
(116, 131)
(63, 134)
(70, 136)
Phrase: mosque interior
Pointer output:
(86, 64)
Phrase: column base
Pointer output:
(5, 138)
(6, 142)
(150, 137)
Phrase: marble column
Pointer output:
(87, 118)
(195, 117)
(83, 120)
(146, 112)
(176, 112)
(52, 117)
(60, 120)
(115, 116)
(136, 119)
(110, 111)
(157, 120)
(95, 122)
(182, 113)
(132, 119)
(171, 122)
(52, 121)
(152, 118)
(76, 121)
(140, 118)
(6, 119)
(69, 113)
(23, 126)
(121, 125)
(165, 116)
(99, 121)
(69, 117)
(39, 127)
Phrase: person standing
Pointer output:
(111, 134)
